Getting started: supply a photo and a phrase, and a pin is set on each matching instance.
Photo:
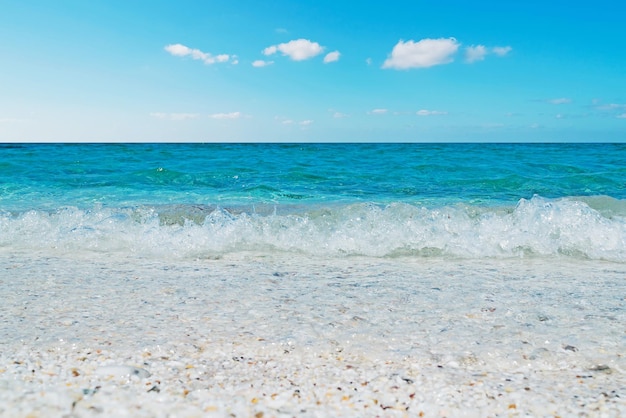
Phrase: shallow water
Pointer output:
(494, 314)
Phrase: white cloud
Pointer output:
(501, 50)
(377, 111)
(425, 112)
(339, 115)
(611, 106)
(283, 120)
(306, 122)
(297, 50)
(479, 52)
(261, 63)
(222, 58)
(561, 100)
(270, 50)
(475, 53)
(231, 115)
(179, 50)
(622, 116)
(425, 53)
(368, 61)
(332, 57)
(174, 116)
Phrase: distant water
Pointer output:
(333, 200)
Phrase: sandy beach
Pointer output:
(253, 335)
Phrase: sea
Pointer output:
(482, 276)
(194, 201)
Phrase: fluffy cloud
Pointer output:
(179, 50)
(261, 63)
(174, 116)
(475, 53)
(297, 50)
(424, 53)
(425, 112)
(231, 115)
(332, 57)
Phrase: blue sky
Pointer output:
(286, 70)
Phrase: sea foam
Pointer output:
(591, 228)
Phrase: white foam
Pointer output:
(535, 227)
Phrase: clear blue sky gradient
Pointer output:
(113, 70)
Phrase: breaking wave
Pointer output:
(586, 228)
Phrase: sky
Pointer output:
(312, 70)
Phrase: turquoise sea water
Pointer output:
(380, 200)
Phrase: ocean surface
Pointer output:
(190, 201)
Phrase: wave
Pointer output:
(583, 227)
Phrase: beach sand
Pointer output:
(258, 335)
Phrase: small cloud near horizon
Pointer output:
(377, 111)
(560, 100)
(479, 52)
(610, 106)
(501, 50)
(261, 63)
(231, 115)
(425, 112)
(180, 50)
(174, 116)
(11, 120)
